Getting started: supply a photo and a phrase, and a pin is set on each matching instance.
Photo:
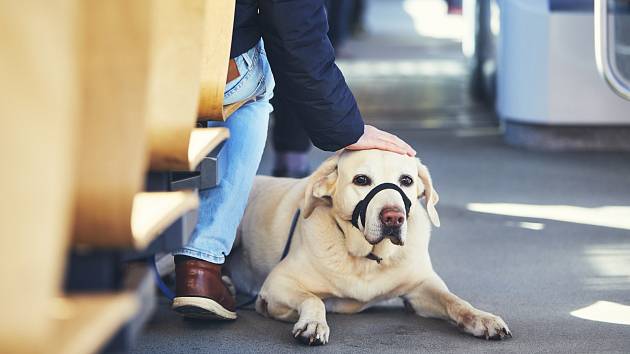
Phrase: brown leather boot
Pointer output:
(200, 292)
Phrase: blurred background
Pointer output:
(519, 108)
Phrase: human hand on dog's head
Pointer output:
(374, 138)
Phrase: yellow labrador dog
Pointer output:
(362, 237)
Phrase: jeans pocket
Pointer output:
(242, 67)
(247, 85)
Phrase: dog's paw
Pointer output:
(311, 332)
(484, 325)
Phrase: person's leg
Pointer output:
(290, 142)
(221, 208)
(339, 16)
(200, 292)
(357, 23)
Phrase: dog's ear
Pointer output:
(430, 195)
(321, 185)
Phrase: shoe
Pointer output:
(200, 292)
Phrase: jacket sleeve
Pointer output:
(303, 64)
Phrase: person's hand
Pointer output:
(374, 138)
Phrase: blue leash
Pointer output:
(296, 217)
(168, 293)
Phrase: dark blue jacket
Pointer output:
(303, 65)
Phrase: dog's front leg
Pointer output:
(312, 328)
(433, 299)
(282, 298)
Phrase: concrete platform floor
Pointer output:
(531, 236)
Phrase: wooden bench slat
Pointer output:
(153, 212)
(174, 83)
(38, 82)
(115, 37)
(84, 323)
(231, 108)
(189, 55)
(216, 54)
(202, 142)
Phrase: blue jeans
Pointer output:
(221, 208)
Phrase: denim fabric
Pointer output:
(221, 208)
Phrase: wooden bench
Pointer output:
(186, 38)
(84, 323)
(39, 138)
(98, 93)
(177, 46)
(216, 52)
(110, 209)
(150, 112)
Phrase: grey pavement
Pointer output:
(532, 269)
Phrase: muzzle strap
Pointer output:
(361, 208)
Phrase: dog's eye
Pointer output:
(362, 180)
(406, 181)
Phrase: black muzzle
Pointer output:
(361, 208)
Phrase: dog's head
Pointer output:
(346, 179)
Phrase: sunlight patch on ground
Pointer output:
(430, 19)
(607, 216)
(605, 311)
(611, 265)
(536, 226)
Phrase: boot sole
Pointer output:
(201, 308)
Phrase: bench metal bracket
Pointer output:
(207, 175)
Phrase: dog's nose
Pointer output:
(392, 217)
